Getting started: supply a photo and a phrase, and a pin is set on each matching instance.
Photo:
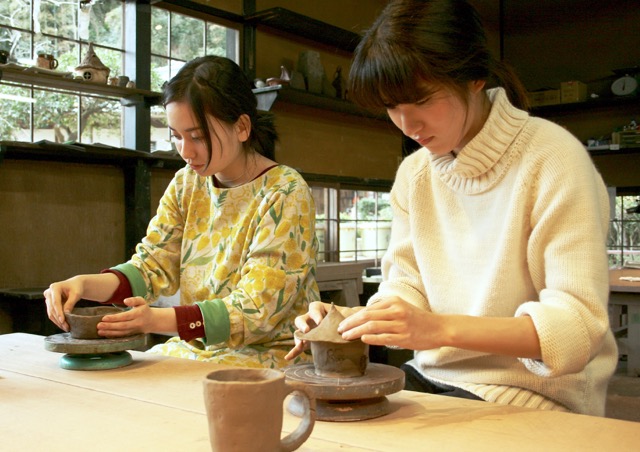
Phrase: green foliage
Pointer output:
(624, 231)
(367, 209)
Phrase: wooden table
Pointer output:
(156, 404)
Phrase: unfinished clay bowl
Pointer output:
(333, 356)
(83, 322)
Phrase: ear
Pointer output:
(476, 86)
(243, 127)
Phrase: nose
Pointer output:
(405, 121)
(186, 150)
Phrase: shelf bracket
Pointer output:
(133, 101)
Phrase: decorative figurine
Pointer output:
(282, 80)
(92, 69)
(337, 82)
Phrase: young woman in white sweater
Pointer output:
(496, 273)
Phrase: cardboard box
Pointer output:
(545, 97)
(573, 91)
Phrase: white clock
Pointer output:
(624, 86)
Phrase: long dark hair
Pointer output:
(416, 46)
(216, 86)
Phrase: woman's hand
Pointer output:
(60, 297)
(138, 319)
(394, 322)
(141, 318)
(306, 322)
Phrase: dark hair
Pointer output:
(216, 86)
(440, 42)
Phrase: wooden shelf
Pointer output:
(85, 153)
(287, 21)
(634, 150)
(299, 97)
(128, 96)
(31, 76)
(592, 104)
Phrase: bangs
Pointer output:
(382, 77)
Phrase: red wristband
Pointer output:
(190, 322)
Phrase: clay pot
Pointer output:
(333, 356)
(83, 322)
(340, 360)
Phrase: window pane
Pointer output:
(55, 116)
(187, 37)
(15, 122)
(100, 121)
(57, 18)
(18, 44)
(160, 138)
(216, 40)
(105, 26)
(160, 32)
(624, 232)
(159, 72)
(16, 13)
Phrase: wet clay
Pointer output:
(334, 356)
(84, 321)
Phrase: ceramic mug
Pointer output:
(245, 410)
(46, 61)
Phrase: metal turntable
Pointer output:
(93, 354)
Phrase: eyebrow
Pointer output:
(188, 130)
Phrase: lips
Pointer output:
(424, 141)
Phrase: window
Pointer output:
(351, 224)
(624, 230)
(62, 29)
(176, 39)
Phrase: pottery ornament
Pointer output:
(91, 68)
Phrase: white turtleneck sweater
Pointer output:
(514, 225)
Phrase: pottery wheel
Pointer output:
(346, 399)
(93, 354)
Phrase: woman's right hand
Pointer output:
(306, 322)
(62, 296)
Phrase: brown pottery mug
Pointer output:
(245, 410)
(46, 61)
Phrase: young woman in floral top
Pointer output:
(234, 232)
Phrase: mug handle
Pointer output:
(295, 439)
(53, 63)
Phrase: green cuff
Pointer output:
(138, 286)
(217, 327)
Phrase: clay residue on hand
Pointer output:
(327, 331)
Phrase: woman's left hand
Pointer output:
(394, 322)
(136, 320)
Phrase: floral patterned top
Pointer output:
(245, 255)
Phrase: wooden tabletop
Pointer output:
(156, 404)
